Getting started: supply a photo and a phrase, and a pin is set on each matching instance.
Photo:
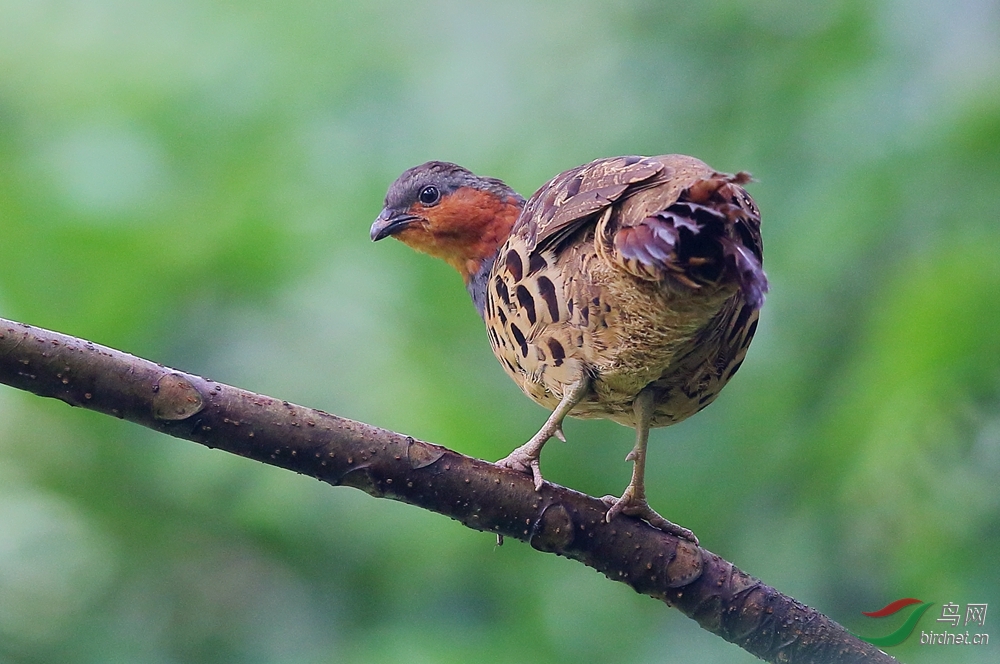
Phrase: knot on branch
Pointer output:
(175, 398)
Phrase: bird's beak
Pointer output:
(390, 222)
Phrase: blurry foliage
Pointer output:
(193, 182)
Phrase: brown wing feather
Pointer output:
(698, 229)
(669, 218)
(573, 198)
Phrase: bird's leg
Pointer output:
(633, 501)
(525, 458)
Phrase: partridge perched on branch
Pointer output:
(627, 288)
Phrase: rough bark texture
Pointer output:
(384, 464)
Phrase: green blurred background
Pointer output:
(193, 182)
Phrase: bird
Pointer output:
(628, 288)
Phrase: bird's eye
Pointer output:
(429, 195)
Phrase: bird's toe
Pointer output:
(523, 462)
(629, 505)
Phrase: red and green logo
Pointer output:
(904, 630)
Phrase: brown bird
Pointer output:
(627, 288)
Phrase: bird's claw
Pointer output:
(629, 505)
(525, 458)
(523, 462)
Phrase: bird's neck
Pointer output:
(493, 223)
(471, 225)
(476, 283)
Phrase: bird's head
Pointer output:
(446, 211)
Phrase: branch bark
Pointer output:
(384, 464)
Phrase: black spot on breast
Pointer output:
(519, 338)
(502, 316)
(585, 315)
(501, 288)
(536, 262)
(569, 306)
(750, 332)
(548, 292)
(514, 265)
(557, 351)
(527, 303)
(733, 369)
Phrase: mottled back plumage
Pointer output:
(639, 271)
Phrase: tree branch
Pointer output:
(384, 464)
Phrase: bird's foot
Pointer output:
(630, 505)
(523, 461)
(525, 458)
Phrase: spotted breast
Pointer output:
(624, 270)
